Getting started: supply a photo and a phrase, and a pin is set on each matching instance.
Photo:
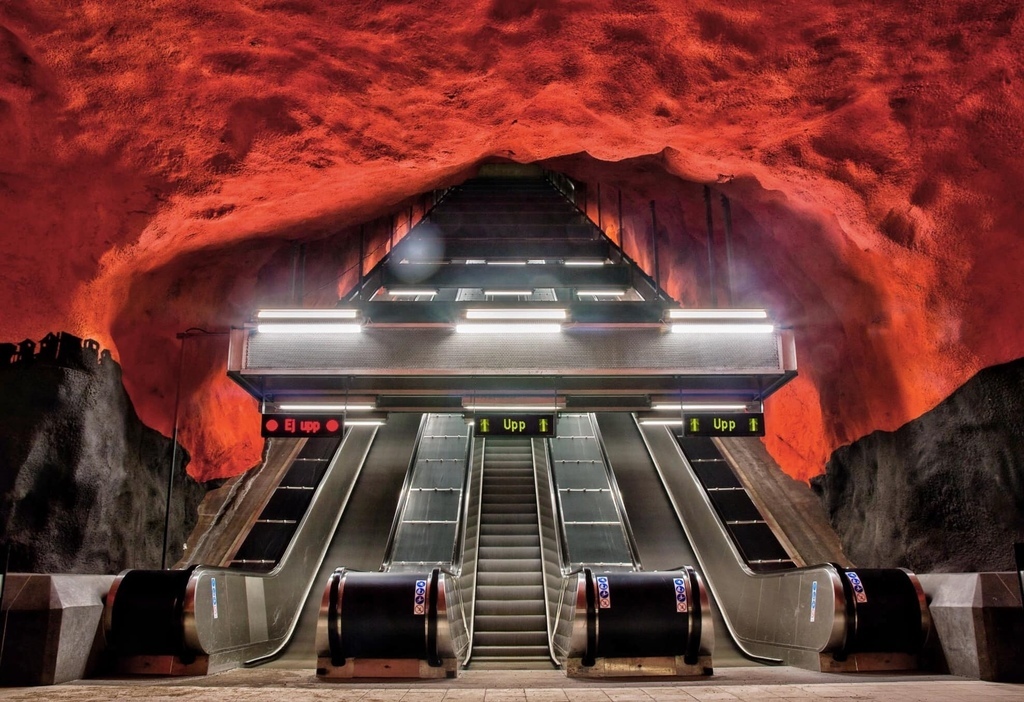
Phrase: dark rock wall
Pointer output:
(943, 493)
(82, 481)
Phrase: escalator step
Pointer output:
(509, 553)
(513, 580)
(519, 623)
(491, 593)
(510, 638)
(511, 608)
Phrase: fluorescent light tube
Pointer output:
(661, 422)
(508, 292)
(584, 262)
(686, 328)
(601, 293)
(717, 314)
(511, 408)
(512, 328)
(326, 408)
(308, 314)
(506, 263)
(315, 328)
(538, 313)
(365, 422)
(675, 406)
(410, 293)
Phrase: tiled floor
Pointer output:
(747, 684)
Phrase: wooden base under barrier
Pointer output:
(674, 666)
(386, 668)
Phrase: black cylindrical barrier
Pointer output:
(146, 616)
(387, 615)
(644, 615)
(886, 611)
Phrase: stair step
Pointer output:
(512, 580)
(509, 553)
(510, 638)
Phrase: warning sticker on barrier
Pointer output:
(681, 604)
(858, 587)
(213, 595)
(419, 601)
(814, 599)
(604, 598)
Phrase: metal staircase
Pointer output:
(509, 622)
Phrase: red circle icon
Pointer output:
(332, 425)
(272, 425)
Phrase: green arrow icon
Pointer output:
(485, 426)
(694, 424)
(543, 426)
(753, 424)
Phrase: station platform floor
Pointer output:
(729, 684)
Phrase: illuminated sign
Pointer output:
(302, 425)
(725, 424)
(514, 424)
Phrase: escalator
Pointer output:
(509, 620)
(823, 617)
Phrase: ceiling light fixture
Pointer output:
(326, 407)
(675, 406)
(508, 293)
(513, 328)
(687, 328)
(601, 293)
(314, 328)
(308, 314)
(538, 313)
(717, 314)
(411, 292)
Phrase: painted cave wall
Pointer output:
(160, 165)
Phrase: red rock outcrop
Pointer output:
(159, 161)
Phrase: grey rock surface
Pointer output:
(82, 481)
(943, 493)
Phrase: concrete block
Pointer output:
(979, 622)
(52, 630)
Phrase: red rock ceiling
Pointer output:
(158, 161)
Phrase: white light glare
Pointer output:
(365, 422)
(316, 328)
(723, 328)
(511, 408)
(326, 408)
(717, 314)
(308, 314)
(507, 292)
(585, 262)
(410, 293)
(484, 328)
(540, 313)
(601, 293)
(662, 422)
(506, 263)
(675, 406)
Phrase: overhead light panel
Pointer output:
(327, 407)
(677, 407)
(717, 314)
(507, 293)
(411, 292)
(308, 314)
(312, 328)
(658, 422)
(688, 328)
(585, 262)
(536, 313)
(601, 293)
(366, 422)
(506, 263)
(510, 328)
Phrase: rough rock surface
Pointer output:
(83, 483)
(159, 161)
(943, 493)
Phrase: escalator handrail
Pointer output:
(467, 477)
(189, 624)
(403, 499)
(563, 544)
(470, 608)
(728, 544)
(540, 533)
(613, 484)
